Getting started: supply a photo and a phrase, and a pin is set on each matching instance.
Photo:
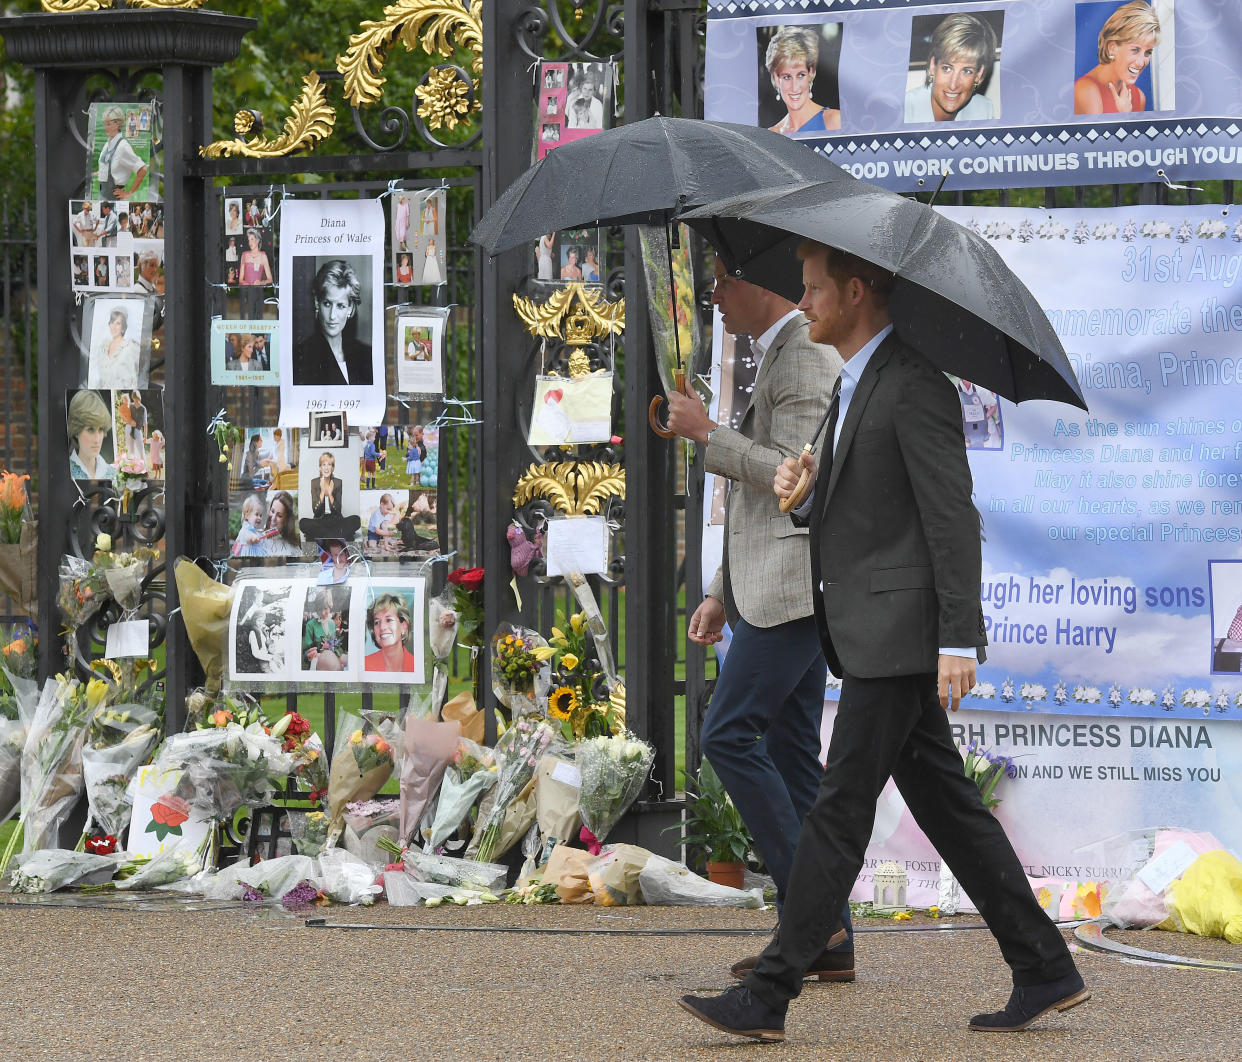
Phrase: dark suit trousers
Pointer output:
(761, 736)
(895, 726)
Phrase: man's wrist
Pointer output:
(707, 437)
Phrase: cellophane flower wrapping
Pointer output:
(614, 770)
(442, 621)
(665, 883)
(448, 870)
(123, 575)
(17, 708)
(361, 763)
(224, 768)
(521, 672)
(56, 868)
(82, 590)
(176, 863)
(119, 740)
(518, 753)
(471, 773)
(52, 756)
(366, 822)
(309, 831)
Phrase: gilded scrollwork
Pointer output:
(572, 487)
(577, 314)
(310, 120)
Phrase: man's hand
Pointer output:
(789, 472)
(688, 417)
(707, 622)
(955, 677)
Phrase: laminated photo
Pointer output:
(419, 236)
(393, 645)
(420, 346)
(574, 101)
(118, 340)
(331, 309)
(571, 410)
(138, 428)
(327, 629)
(328, 492)
(116, 246)
(119, 138)
(88, 418)
(243, 353)
(259, 631)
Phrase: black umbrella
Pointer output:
(642, 173)
(956, 300)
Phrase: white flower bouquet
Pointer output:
(119, 740)
(55, 868)
(614, 770)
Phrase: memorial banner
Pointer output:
(1112, 556)
(987, 94)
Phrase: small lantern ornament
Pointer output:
(890, 888)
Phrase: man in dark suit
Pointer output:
(895, 567)
(326, 356)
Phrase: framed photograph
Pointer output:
(118, 341)
(331, 310)
(394, 625)
(138, 428)
(420, 360)
(88, 420)
(327, 633)
(328, 430)
(243, 353)
(119, 138)
(954, 73)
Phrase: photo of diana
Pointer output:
(1121, 42)
(953, 61)
(798, 90)
(389, 622)
(327, 346)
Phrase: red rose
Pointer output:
(104, 845)
(467, 578)
(170, 811)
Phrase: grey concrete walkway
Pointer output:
(114, 981)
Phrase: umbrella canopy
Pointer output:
(956, 300)
(642, 173)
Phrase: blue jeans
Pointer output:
(761, 735)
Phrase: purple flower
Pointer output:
(302, 894)
(251, 895)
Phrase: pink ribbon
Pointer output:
(590, 840)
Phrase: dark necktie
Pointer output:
(825, 454)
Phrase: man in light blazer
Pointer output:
(761, 734)
(895, 563)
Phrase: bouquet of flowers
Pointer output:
(310, 832)
(518, 751)
(13, 507)
(429, 747)
(205, 710)
(579, 699)
(467, 595)
(181, 860)
(119, 740)
(124, 572)
(442, 623)
(986, 769)
(446, 870)
(82, 590)
(470, 773)
(52, 759)
(519, 669)
(361, 764)
(224, 768)
(19, 693)
(614, 770)
(129, 475)
(55, 868)
(305, 746)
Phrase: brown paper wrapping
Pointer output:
(19, 569)
(518, 818)
(567, 870)
(463, 709)
(556, 802)
(614, 875)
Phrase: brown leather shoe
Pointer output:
(830, 966)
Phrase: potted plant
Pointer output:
(714, 827)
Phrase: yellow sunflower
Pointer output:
(562, 703)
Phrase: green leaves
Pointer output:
(712, 822)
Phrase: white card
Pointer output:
(578, 544)
(128, 638)
(1162, 870)
(567, 773)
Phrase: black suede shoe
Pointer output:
(1028, 1003)
(740, 1012)
(830, 966)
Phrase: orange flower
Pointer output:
(381, 746)
(220, 717)
(12, 490)
(17, 646)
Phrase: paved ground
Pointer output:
(152, 980)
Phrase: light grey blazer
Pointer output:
(766, 573)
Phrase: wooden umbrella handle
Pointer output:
(653, 410)
(801, 490)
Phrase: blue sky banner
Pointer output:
(1112, 557)
(993, 93)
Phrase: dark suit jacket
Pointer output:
(894, 533)
(318, 508)
(313, 363)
